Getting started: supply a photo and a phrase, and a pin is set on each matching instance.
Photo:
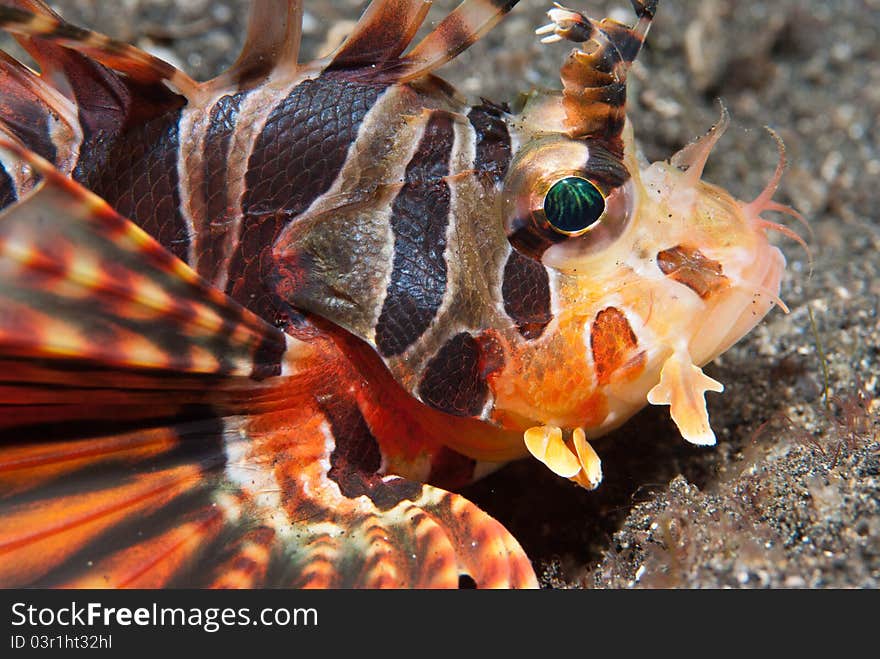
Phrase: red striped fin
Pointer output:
(37, 536)
(458, 31)
(155, 562)
(383, 32)
(347, 525)
(249, 561)
(83, 285)
(119, 56)
(27, 465)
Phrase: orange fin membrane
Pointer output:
(117, 365)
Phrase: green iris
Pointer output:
(573, 205)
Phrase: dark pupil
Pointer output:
(573, 204)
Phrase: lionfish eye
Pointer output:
(573, 205)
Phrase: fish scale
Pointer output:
(255, 326)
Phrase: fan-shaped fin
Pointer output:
(154, 433)
(154, 562)
(383, 32)
(39, 535)
(81, 283)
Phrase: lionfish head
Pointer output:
(577, 286)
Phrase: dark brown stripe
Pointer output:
(604, 167)
(493, 148)
(526, 294)
(218, 218)
(356, 458)
(139, 180)
(453, 381)
(296, 159)
(7, 189)
(268, 355)
(531, 240)
(451, 470)
(420, 215)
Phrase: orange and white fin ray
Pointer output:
(82, 285)
(119, 56)
(429, 541)
(156, 561)
(39, 534)
(339, 523)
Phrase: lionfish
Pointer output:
(256, 330)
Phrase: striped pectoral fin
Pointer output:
(348, 525)
(57, 532)
(117, 368)
(82, 286)
(34, 20)
(430, 538)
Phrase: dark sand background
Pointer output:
(790, 497)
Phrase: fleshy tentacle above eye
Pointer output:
(594, 80)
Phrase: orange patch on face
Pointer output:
(593, 410)
(689, 266)
(614, 345)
